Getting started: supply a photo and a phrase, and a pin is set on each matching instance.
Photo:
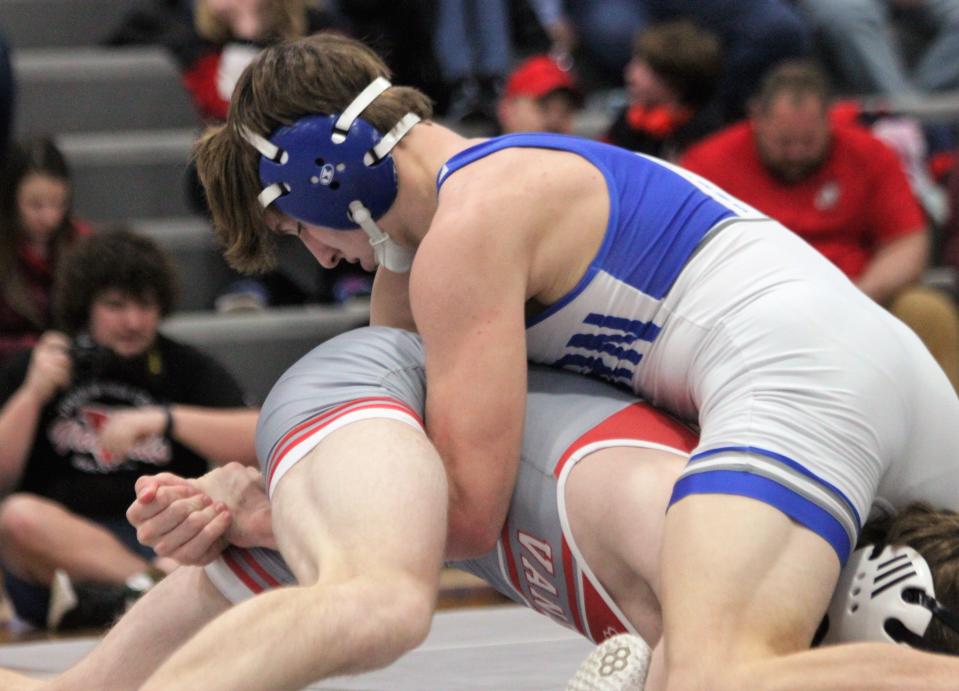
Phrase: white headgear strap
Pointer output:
(343, 123)
(388, 253)
(870, 593)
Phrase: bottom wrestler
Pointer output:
(358, 499)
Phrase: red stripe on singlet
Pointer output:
(510, 559)
(311, 426)
(603, 622)
(240, 573)
(640, 422)
(260, 571)
(571, 587)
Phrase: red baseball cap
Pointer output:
(538, 76)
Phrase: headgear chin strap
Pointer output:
(336, 171)
(876, 597)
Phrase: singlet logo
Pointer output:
(610, 349)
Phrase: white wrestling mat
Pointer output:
(503, 647)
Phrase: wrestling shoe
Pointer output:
(620, 663)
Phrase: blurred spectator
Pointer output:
(89, 410)
(540, 96)
(212, 41)
(950, 234)
(860, 36)
(402, 32)
(7, 98)
(472, 40)
(232, 32)
(755, 34)
(842, 190)
(36, 228)
(671, 84)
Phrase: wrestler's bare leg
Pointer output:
(13, 681)
(361, 521)
(158, 624)
(743, 590)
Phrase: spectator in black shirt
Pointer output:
(90, 409)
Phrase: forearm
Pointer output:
(18, 424)
(856, 667)
(894, 267)
(390, 303)
(329, 630)
(481, 476)
(220, 435)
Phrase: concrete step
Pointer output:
(257, 347)
(123, 175)
(38, 23)
(99, 89)
(202, 272)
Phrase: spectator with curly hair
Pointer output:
(86, 412)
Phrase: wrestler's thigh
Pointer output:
(741, 583)
(370, 496)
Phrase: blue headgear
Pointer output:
(336, 171)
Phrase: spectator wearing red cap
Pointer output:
(671, 83)
(540, 96)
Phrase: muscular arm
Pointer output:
(896, 265)
(468, 291)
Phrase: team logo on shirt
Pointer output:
(80, 418)
(828, 196)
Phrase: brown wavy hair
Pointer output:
(114, 259)
(319, 74)
(685, 56)
(935, 535)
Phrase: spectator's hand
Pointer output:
(563, 40)
(127, 427)
(50, 369)
(178, 520)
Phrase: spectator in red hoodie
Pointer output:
(842, 190)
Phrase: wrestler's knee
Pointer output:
(391, 613)
(25, 519)
(720, 675)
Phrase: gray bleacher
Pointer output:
(126, 125)
(258, 346)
